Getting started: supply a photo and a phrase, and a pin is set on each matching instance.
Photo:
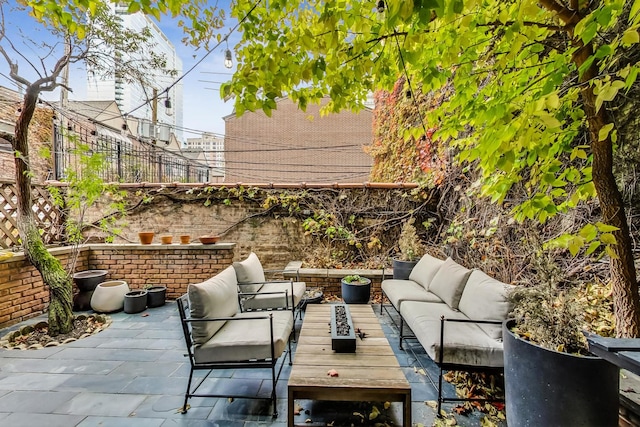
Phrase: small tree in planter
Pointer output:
(411, 249)
(549, 377)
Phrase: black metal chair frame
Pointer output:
(295, 310)
(271, 363)
(445, 366)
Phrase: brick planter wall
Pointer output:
(23, 294)
(174, 266)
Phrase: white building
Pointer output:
(209, 148)
(131, 96)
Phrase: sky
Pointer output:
(203, 108)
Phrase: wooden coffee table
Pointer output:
(372, 373)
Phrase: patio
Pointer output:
(134, 374)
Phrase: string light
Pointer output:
(380, 6)
(228, 60)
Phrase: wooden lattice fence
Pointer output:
(47, 215)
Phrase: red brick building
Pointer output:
(298, 146)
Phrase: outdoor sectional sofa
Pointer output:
(455, 313)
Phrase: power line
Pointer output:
(223, 39)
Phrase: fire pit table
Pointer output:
(371, 373)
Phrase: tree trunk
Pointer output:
(50, 268)
(626, 300)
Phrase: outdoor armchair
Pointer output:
(219, 336)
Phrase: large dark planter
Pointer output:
(86, 281)
(402, 269)
(135, 301)
(549, 388)
(156, 296)
(356, 293)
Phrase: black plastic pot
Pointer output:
(402, 269)
(356, 292)
(156, 296)
(135, 301)
(549, 388)
(86, 281)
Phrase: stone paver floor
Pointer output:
(134, 373)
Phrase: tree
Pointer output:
(89, 32)
(532, 86)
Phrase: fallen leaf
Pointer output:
(387, 405)
(431, 403)
(230, 399)
(332, 373)
(421, 371)
(308, 421)
(144, 314)
(451, 422)
(183, 410)
(331, 424)
(297, 410)
(358, 414)
(374, 413)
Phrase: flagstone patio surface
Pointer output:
(135, 372)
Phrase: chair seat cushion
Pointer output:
(249, 339)
(266, 300)
(464, 343)
(406, 290)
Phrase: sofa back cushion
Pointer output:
(250, 271)
(484, 298)
(215, 297)
(425, 270)
(448, 283)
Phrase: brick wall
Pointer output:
(22, 293)
(174, 266)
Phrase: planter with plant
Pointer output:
(411, 249)
(550, 378)
(356, 289)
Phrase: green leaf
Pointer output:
(604, 131)
(605, 228)
(608, 238)
(592, 247)
(630, 37)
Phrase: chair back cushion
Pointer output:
(250, 271)
(449, 282)
(425, 270)
(485, 298)
(216, 297)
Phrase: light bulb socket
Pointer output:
(380, 6)
(167, 103)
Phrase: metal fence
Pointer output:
(126, 160)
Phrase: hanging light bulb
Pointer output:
(380, 6)
(167, 106)
(228, 60)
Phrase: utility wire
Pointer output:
(224, 39)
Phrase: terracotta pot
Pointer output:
(185, 240)
(166, 240)
(146, 237)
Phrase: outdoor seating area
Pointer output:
(135, 372)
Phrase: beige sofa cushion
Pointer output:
(398, 290)
(247, 339)
(250, 271)
(425, 270)
(215, 297)
(449, 282)
(484, 298)
(464, 343)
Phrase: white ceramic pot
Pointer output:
(109, 296)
